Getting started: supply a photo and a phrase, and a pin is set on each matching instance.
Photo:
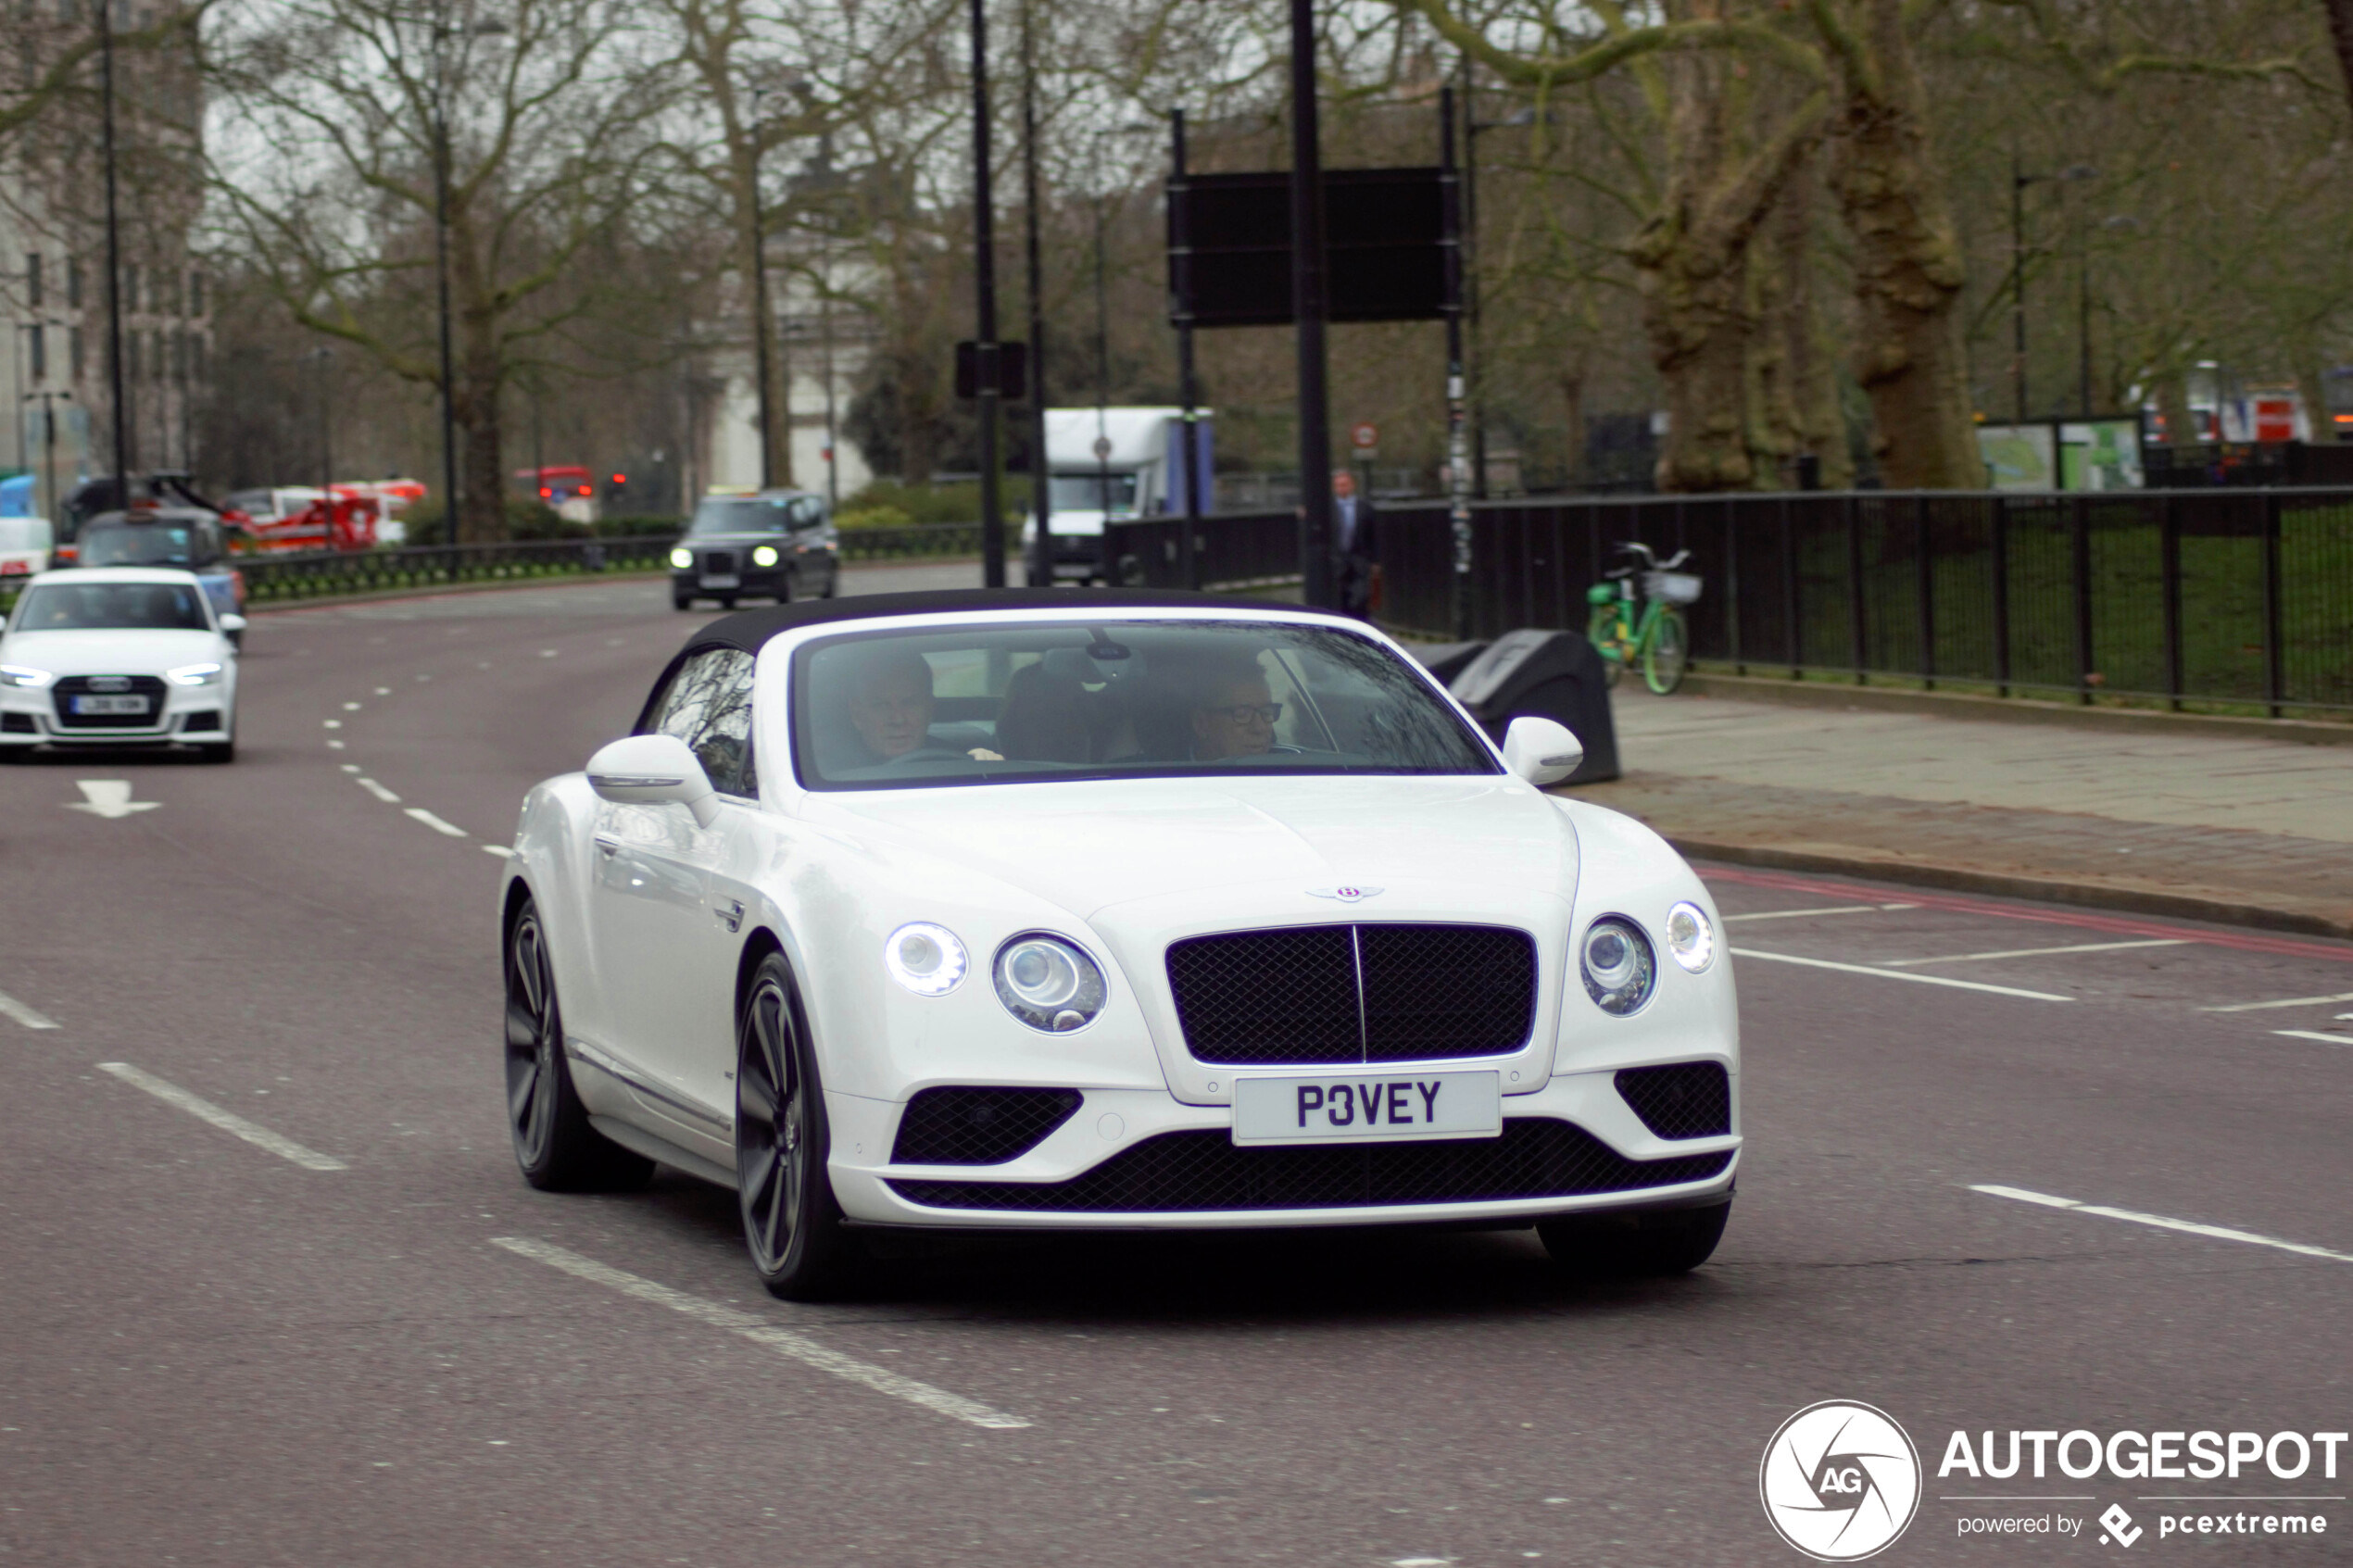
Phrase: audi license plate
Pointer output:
(722, 580)
(125, 706)
(1345, 1107)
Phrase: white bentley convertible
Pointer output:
(1121, 910)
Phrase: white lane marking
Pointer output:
(372, 788)
(2316, 1035)
(1832, 909)
(1902, 975)
(31, 1018)
(2218, 1233)
(351, 767)
(205, 1111)
(499, 849)
(383, 691)
(334, 745)
(351, 708)
(547, 653)
(2040, 952)
(108, 797)
(2284, 1002)
(330, 723)
(436, 823)
(784, 1341)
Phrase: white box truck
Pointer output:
(1112, 463)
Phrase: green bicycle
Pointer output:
(1656, 633)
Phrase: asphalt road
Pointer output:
(225, 1351)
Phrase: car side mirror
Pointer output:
(653, 770)
(233, 624)
(1542, 751)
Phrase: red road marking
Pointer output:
(2246, 942)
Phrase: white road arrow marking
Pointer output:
(108, 797)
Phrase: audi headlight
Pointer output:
(1690, 938)
(763, 555)
(25, 676)
(193, 675)
(925, 957)
(1617, 962)
(1049, 984)
(683, 558)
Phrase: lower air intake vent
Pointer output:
(1689, 1099)
(1198, 1171)
(978, 1126)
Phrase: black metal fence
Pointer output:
(2231, 595)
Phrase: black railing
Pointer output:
(2224, 596)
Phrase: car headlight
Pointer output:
(193, 675)
(25, 676)
(763, 555)
(681, 557)
(925, 957)
(1617, 962)
(1690, 938)
(1049, 984)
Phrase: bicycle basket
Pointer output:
(1673, 587)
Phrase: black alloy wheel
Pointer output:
(1655, 1243)
(793, 1227)
(554, 1144)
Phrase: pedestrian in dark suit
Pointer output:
(1353, 551)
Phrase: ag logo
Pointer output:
(1840, 1481)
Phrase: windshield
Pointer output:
(1084, 493)
(146, 544)
(1110, 699)
(95, 606)
(755, 514)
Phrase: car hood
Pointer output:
(1094, 844)
(110, 652)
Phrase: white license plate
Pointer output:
(1367, 1107)
(125, 706)
(722, 580)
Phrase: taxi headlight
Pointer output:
(763, 555)
(683, 558)
(1690, 938)
(193, 675)
(1617, 962)
(1049, 984)
(26, 676)
(925, 957)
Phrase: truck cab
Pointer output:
(1108, 465)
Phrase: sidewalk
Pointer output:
(2250, 830)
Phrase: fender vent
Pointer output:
(979, 1127)
(1689, 1099)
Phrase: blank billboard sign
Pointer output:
(1385, 239)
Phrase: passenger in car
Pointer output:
(892, 703)
(1044, 717)
(1235, 717)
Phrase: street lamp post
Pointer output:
(324, 356)
(2019, 180)
(1041, 499)
(762, 323)
(441, 33)
(992, 520)
(1308, 306)
(121, 416)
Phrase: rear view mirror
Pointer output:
(1542, 751)
(653, 770)
(233, 624)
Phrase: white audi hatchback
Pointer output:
(1124, 910)
(118, 656)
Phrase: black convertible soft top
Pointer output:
(750, 629)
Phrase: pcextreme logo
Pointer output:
(1841, 1481)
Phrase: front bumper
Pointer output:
(873, 1191)
(751, 582)
(191, 715)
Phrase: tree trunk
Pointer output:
(2341, 34)
(1908, 268)
(767, 366)
(2174, 408)
(1572, 385)
(482, 514)
(2313, 387)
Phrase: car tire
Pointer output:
(681, 601)
(1652, 1243)
(832, 583)
(793, 1227)
(787, 586)
(557, 1149)
(225, 751)
(726, 601)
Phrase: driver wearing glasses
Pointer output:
(1236, 718)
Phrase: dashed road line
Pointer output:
(436, 823)
(499, 849)
(2283, 1002)
(227, 1122)
(1832, 909)
(2191, 1227)
(1902, 975)
(2316, 1035)
(351, 708)
(330, 723)
(372, 788)
(784, 1341)
(31, 1018)
(2042, 952)
(334, 745)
